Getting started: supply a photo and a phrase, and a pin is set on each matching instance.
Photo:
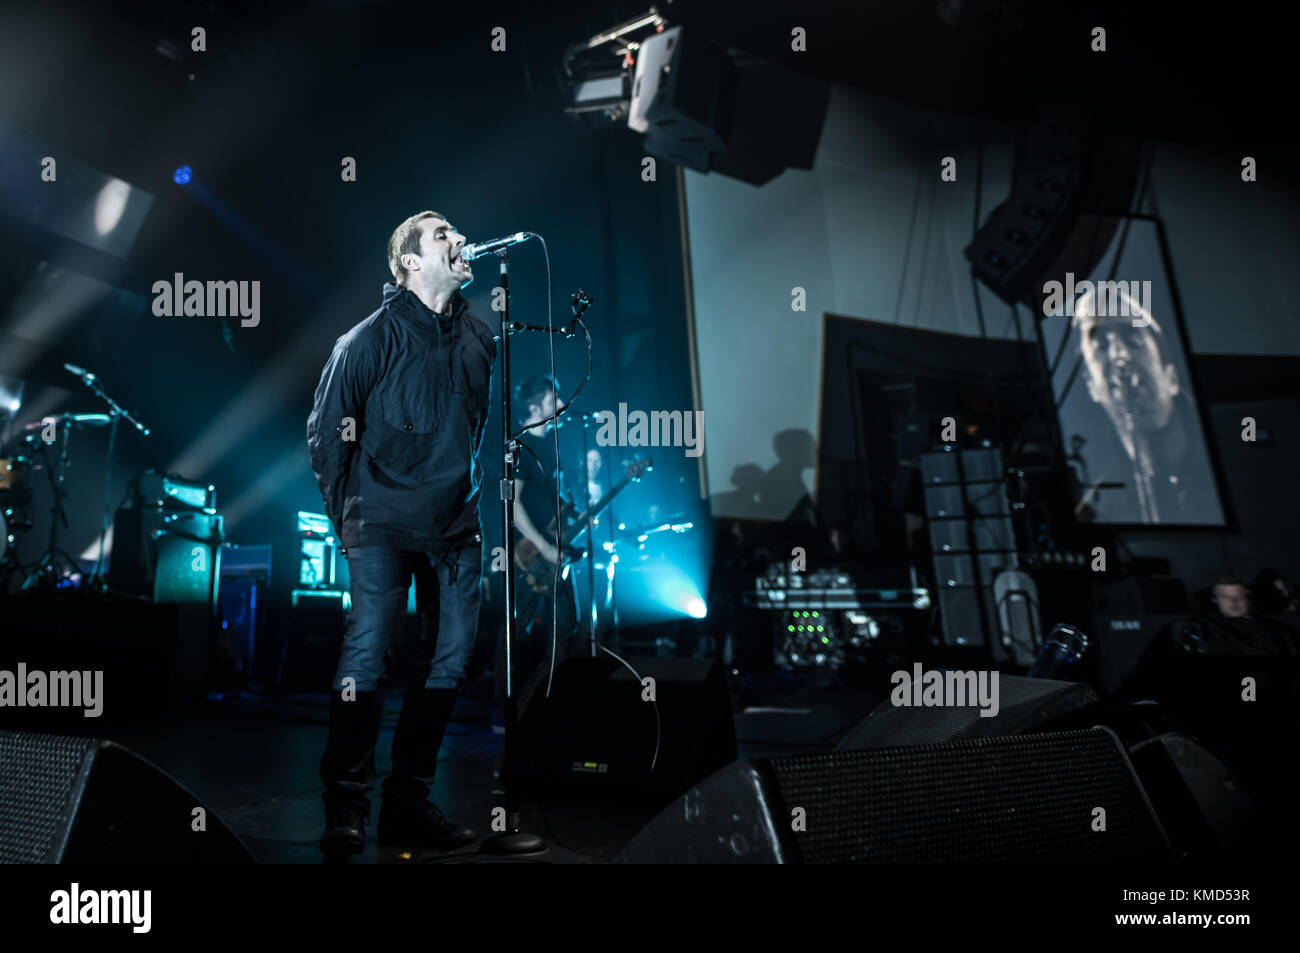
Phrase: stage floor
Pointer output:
(253, 762)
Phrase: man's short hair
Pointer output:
(1230, 581)
(1085, 312)
(533, 391)
(406, 241)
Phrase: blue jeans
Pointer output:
(446, 598)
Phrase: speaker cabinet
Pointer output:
(70, 800)
(1025, 233)
(596, 736)
(1024, 798)
(967, 613)
(684, 91)
(167, 556)
(1025, 705)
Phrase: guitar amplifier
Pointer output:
(167, 556)
(168, 491)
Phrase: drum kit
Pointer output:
(19, 464)
(44, 446)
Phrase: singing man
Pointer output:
(395, 433)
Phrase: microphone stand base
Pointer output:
(513, 842)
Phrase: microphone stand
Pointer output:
(512, 840)
(591, 536)
(116, 413)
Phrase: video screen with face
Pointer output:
(1128, 414)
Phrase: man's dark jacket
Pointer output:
(416, 386)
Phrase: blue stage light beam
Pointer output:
(677, 592)
(283, 263)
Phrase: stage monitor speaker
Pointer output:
(596, 736)
(1204, 806)
(1025, 706)
(74, 800)
(1019, 799)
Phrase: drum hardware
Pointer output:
(15, 476)
(15, 493)
(13, 524)
(56, 567)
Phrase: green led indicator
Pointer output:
(826, 640)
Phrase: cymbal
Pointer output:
(79, 420)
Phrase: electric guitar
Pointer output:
(538, 573)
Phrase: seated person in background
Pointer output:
(1198, 670)
(1225, 628)
(1232, 598)
(1232, 628)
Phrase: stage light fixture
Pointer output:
(599, 71)
(110, 204)
(11, 394)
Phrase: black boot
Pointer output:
(345, 830)
(347, 770)
(407, 818)
(421, 824)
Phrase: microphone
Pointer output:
(81, 372)
(479, 249)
